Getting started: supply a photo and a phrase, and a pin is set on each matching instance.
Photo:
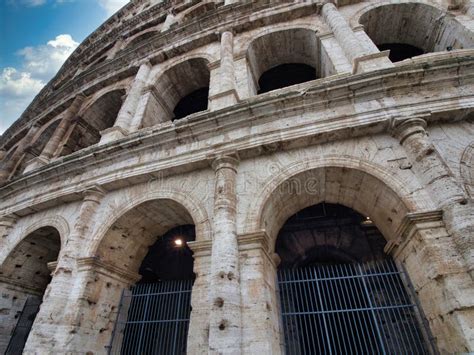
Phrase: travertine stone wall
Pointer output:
(393, 141)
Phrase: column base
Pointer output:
(35, 163)
(112, 134)
(371, 62)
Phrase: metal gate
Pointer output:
(153, 319)
(23, 327)
(350, 308)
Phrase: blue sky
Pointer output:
(36, 37)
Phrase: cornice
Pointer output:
(259, 110)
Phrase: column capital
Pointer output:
(220, 34)
(97, 265)
(94, 193)
(403, 127)
(200, 248)
(226, 160)
(144, 62)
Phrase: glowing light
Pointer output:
(178, 242)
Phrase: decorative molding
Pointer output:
(201, 248)
(411, 224)
(96, 265)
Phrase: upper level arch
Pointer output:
(283, 57)
(99, 114)
(139, 37)
(413, 28)
(178, 90)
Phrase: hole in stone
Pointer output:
(222, 274)
(463, 202)
(18, 265)
(219, 302)
(222, 325)
(230, 276)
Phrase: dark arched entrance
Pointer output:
(24, 277)
(154, 314)
(339, 292)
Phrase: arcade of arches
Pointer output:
(277, 187)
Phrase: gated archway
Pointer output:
(150, 240)
(339, 292)
(24, 277)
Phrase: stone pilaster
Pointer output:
(225, 331)
(7, 167)
(58, 135)
(129, 107)
(260, 311)
(169, 21)
(439, 278)
(362, 59)
(55, 321)
(198, 333)
(439, 181)
(223, 87)
(95, 299)
(6, 225)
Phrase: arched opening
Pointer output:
(141, 38)
(408, 30)
(180, 91)
(36, 147)
(86, 128)
(150, 241)
(339, 291)
(283, 58)
(24, 277)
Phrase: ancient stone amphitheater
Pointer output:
(256, 177)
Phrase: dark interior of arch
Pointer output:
(98, 117)
(285, 75)
(28, 262)
(166, 260)
(192, 103)
(328, 234)
(400, 51)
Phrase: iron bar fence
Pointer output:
(153, 319)
(350, 309)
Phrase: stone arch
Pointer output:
(178, 89)
(410, 28)
(466, 168)
(197, 10)
(57, 222)
(140, 37)
(340, 181)
(295, 50)
(38, 142)
(197, 214)
(24, 277)
(97, 115)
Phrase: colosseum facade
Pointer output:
(260, 177)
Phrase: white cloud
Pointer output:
(111, 6)
(18, 87)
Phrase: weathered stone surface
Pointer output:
(99, 161)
